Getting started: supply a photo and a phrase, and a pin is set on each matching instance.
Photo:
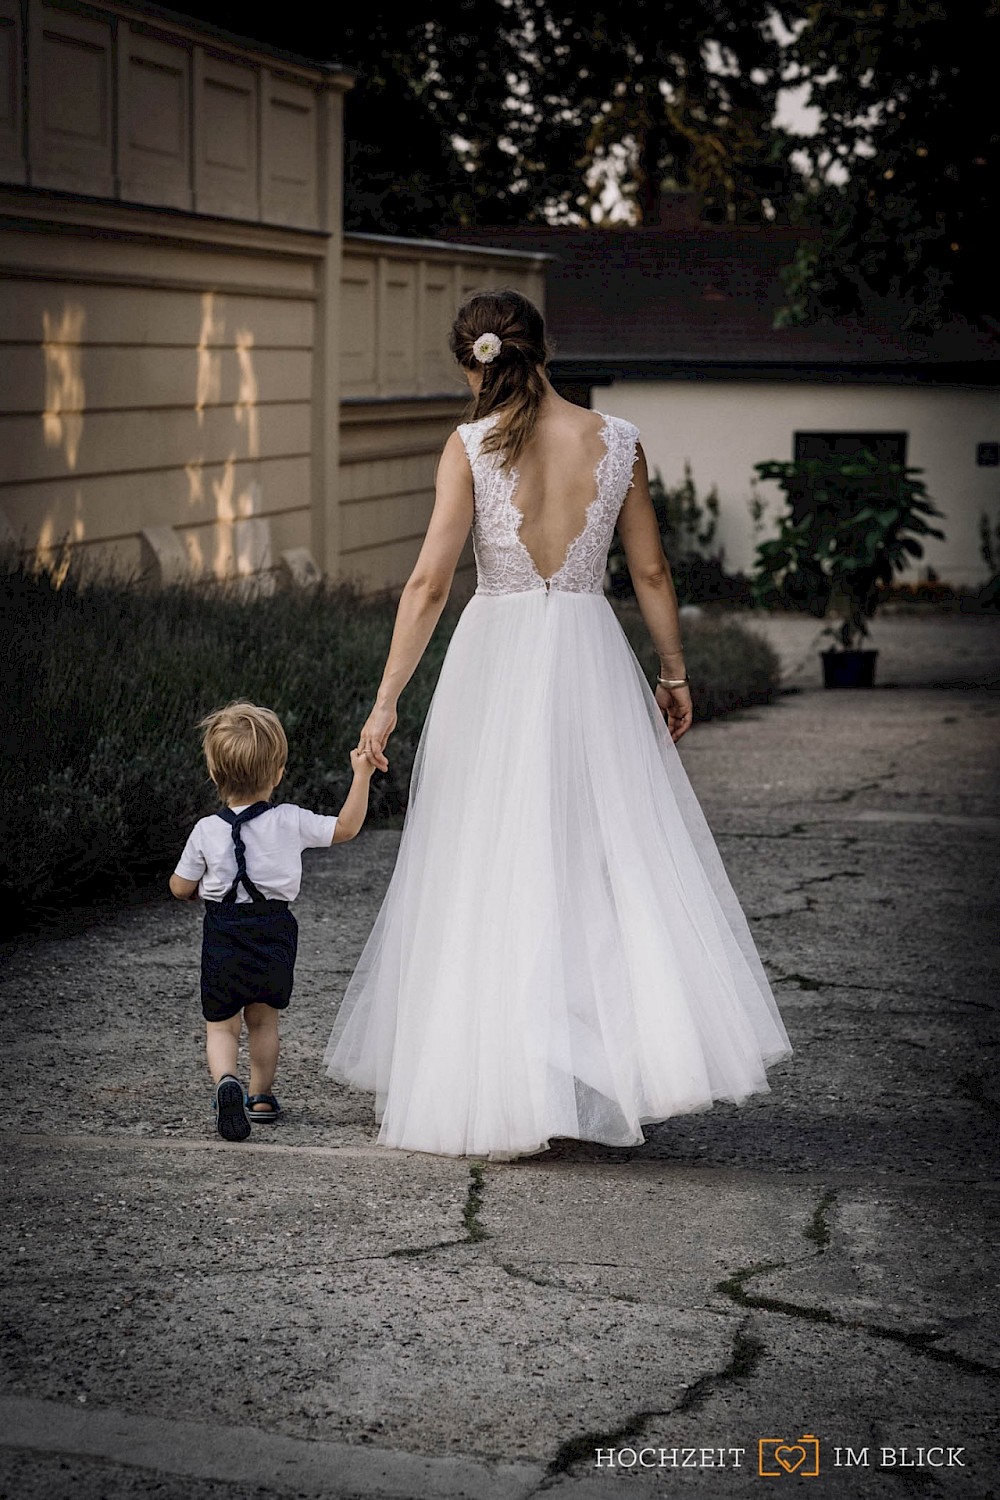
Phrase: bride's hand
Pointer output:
(375, 734)
(675, 703)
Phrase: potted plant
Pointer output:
(852, 521)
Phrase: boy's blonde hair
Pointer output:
(245, 748)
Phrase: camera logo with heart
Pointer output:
(777, 1456)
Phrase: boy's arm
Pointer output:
(185, 887)
(352, 815)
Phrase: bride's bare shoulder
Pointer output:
(562, 416)
(567, 420)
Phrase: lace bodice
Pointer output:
(503, 563)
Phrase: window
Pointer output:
(890, 446)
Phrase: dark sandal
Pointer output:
(263, 1116)
(230, 1114)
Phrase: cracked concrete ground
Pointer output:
(310, 1315)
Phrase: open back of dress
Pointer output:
(558, 480)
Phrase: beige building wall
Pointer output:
(724, 428)
(178, 323)
(157, 379)
(169, 287)
(402, 392)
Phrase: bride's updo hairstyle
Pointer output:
(512, 386)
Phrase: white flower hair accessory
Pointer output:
(486, 348)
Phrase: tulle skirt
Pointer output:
(560, 951)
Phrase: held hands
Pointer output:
(363, 763)
(375, 735)
(676, 704)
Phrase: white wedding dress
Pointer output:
(560, 951)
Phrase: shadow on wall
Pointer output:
(240, 541)
(62, 421)
(224, 534)
(65, 393)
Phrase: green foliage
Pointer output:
(101, 775)
(989, 546)
(989, 542)
(852, 522)
(687, 527)
(729, 666)
(521, 111)
(498, 111)
(905, 101)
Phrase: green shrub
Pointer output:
(729, 666)
(102, 777)
(687, 527)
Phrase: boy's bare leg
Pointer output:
(262, 1024)
(222, 1046)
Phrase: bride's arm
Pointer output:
(425, 592)
(655, 593)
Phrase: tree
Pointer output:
(504, 111)
(520, 111)
(682, 95)
(905, 94)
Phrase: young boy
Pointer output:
(249, 936)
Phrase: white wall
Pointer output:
(724, 428)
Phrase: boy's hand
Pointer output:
(363, 762)
(375, 734)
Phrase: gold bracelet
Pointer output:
(672, 682)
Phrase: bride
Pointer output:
(560, 951)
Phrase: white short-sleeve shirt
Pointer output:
(273, 841)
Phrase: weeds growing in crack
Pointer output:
(745, 1356)
(411, 1252)
(474, 1229)
(818, 1230)
(584, 1446)
(473, 1202)
(743, 1362)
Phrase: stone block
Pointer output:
(164, 559)
(297, 568)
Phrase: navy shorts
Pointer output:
(248, 952)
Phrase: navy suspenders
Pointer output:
(248, 947)
(237, 820)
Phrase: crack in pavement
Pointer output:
(475, 1230)
(807, 982)
(786, 833)
(818, 1229)
(563, 1286)
(810, 902)
(747, 1351)
(851, 792)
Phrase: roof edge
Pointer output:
(332, 73)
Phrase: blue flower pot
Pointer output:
(848, 668)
